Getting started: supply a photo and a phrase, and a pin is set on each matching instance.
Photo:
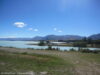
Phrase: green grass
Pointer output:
(53, 62)
(18, 62)
(91, 57)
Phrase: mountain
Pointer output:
(37, 38)
(16, 39)
(95, 36)
(53, 37)
(59, 37)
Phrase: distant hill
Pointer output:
(53, 37)
(95, 36)
(59, 37)
(37, 38)
(16, 39)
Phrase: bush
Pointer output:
(72, 49)
(24, 53)
(41, 43)
(85, 50)
(50, 48)
(89, 51)
(80, 44)
(95, 51)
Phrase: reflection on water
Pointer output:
(24, 44)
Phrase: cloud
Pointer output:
(20, 24)
(55, 29)
(36, 30)
(30, 29)
(60, 31)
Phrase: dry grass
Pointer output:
(79, 63)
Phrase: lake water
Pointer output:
(24, 44)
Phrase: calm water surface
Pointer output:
(24, 44)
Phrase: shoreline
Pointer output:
(63, 45)
(53, 49)
(21, 50)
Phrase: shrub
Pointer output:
(89, 51)
(72, 49)
(85, 50)
(50, 48)
(24, 53)
(41, 43)
(80, 44)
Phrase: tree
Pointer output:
(41, 43)
(48, 42)
(84, 39)
(49, 47)
(89, 41)
(80, 44)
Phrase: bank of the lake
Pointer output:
(49, 62)
(25, 44)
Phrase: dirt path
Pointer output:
(82, 67)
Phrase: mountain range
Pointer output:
(53, 37)
(58, 37)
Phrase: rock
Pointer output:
(43, 73)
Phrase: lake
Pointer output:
(24, 44)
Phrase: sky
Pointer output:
(29, 18)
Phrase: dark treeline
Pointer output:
(86, 42)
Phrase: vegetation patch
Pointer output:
(22, 62)
(91, 57)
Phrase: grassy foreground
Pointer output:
(36, 63)
(46, 62)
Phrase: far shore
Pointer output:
(28, 50)
(63, 45)
(66, 45)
